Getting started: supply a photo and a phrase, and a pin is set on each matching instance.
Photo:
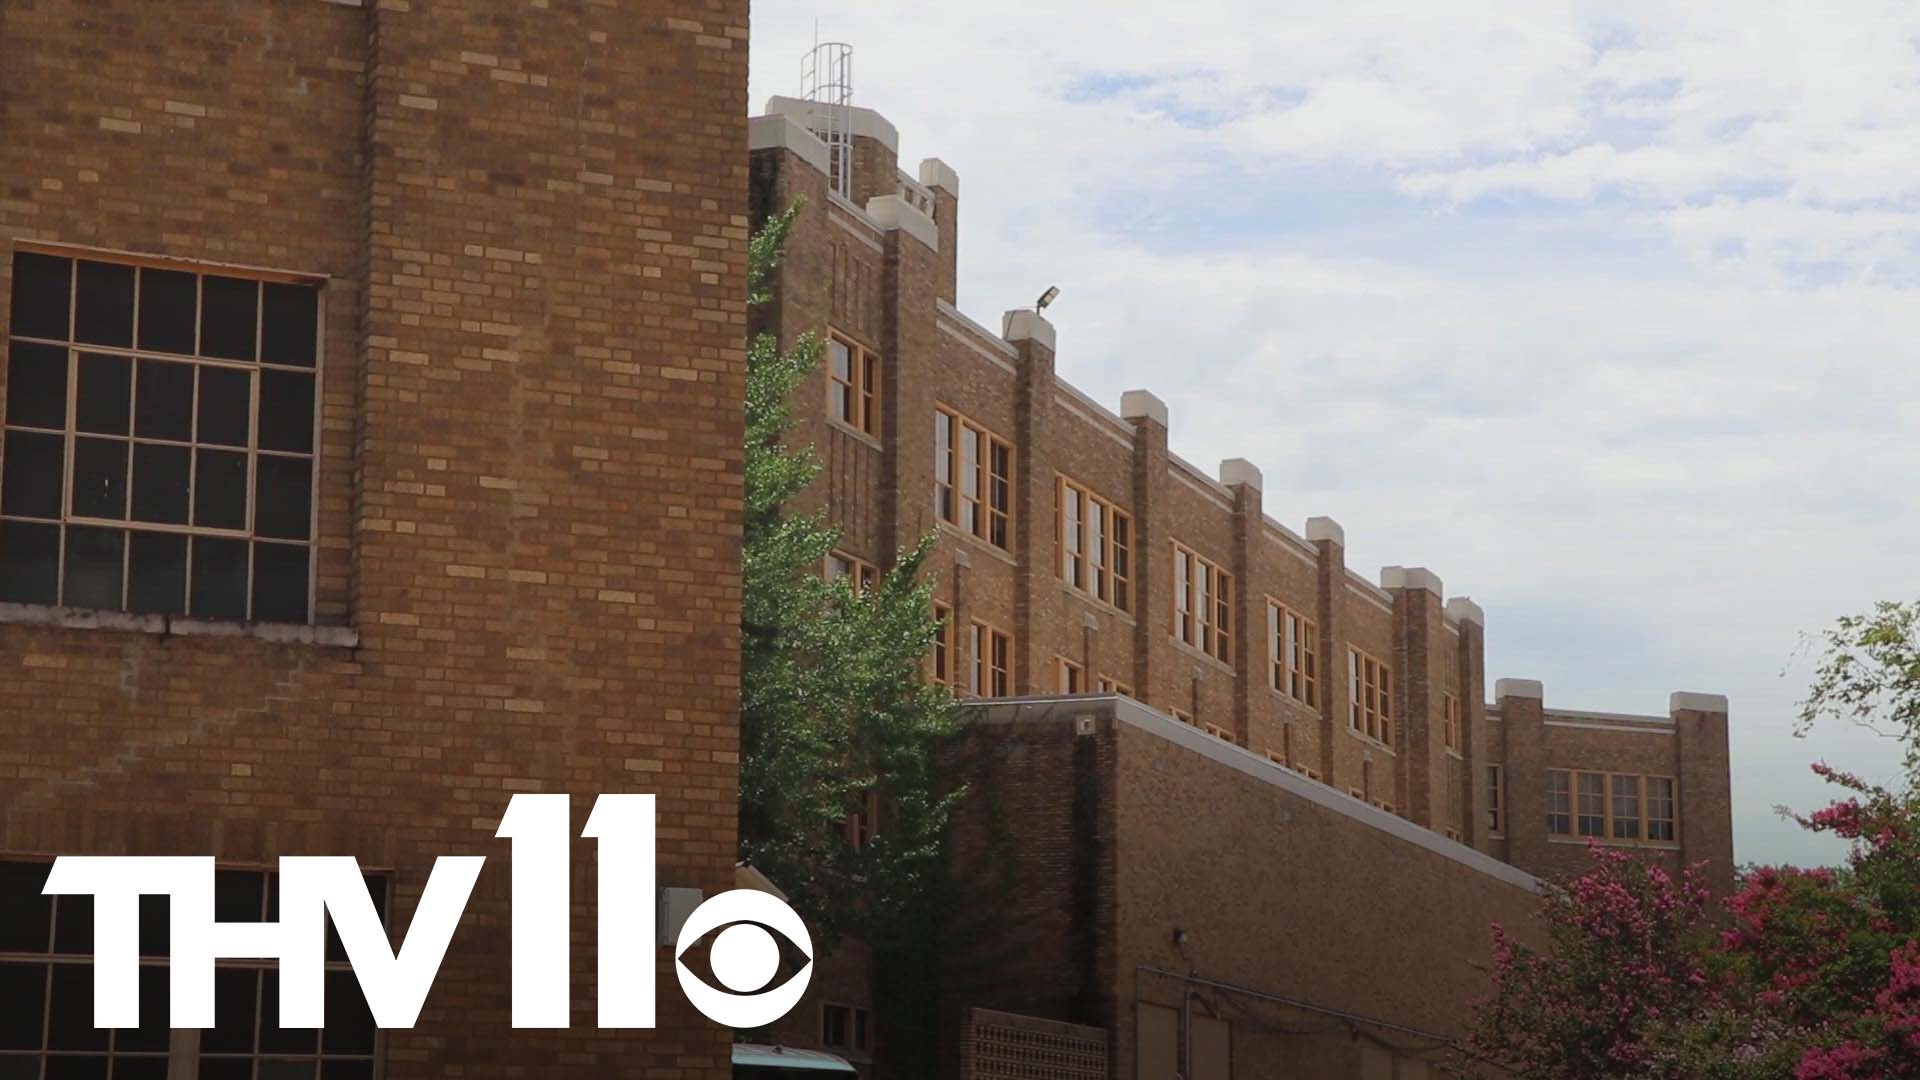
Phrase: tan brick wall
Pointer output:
(530, 485)
(1118, 839)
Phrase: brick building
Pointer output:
(1078, 554)
(371, 384)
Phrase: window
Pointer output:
(853, 390)
(973, 478)
(1069, 676)
(1450, 732)
(1202, 604)
(862, 824)
(160, 431)
(1614, 807)
(1559, 803)
(862, 574)
(1455, 779)
(846, 1027)
(1293, 655)
(1107, 684)
(1219, 732)
(1496, 800)
(1311, 774)
(1370, 686)
(46, 981)
(1590, 814)
(1094, 538)
(1660, 809)
(1626, 806)
(992, 674)
(943, 645)
(1182, 715)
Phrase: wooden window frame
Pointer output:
(974, 496)
(1293, 654)
(992, 661)
(1496, 779)
(1611, 817)
(855, 1016)
(853, 399)
(1069, 677)
(1202, 599)
(864, 575)
(862, 825)
(1450, 732)
(1220, 733)
(134, 353)
(1095, 543)
(1107, 684)
(1183, 716)
(1370, 697)
(945, 641)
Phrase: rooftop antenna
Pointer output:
(826, 80)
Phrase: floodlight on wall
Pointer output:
(1048, 297)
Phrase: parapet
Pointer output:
(1410, 577)
(1237, 472)
(1325, 528)
(1143, 405)
(865, 123)
(1519, 688)
(1688, 701)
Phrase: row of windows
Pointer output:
(159, 443)
(1095, 542)
(973, 478)
(46, 983)
(1610, 806)
(1202, 604)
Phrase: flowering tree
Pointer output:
(1801, 975)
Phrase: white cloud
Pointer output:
(1614, 330)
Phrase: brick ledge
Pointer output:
(67, 618)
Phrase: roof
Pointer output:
(783, 1057)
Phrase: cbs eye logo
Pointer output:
(744, 958)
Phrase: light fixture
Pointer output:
(1048, 297)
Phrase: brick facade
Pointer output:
(878, 268)
(530, 247)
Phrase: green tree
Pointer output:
(835, 704)
(1869, 675)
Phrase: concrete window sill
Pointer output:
(66, 618)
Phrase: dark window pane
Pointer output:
(229, 308)
(167, 309)
(24, 913)
(104, 399)
(157, 574)
(73, 926)
(94, 559)
(41, 292)
(154, 1007)
(24, 988)
(99, 478)
(280, 583)
(238, 895)
(275, 1039)
(220, 489)
(70, 1010)
(288, 1070)
(234, 994)
(219, 578)
(30, 475)
(376, 891)
(91, 1067)
(160, 483)
(349, 1023)
(283, 497)
(29, 569)
(226, 1068)
(346, 1070)
(140, 1068)
(288, 320)
(163, 407)
(103, 304)
(153, 925)
(286, 411)
(37, 385)
(226, 399)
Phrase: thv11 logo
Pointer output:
(744, 956)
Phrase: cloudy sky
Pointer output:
(1606, 313)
